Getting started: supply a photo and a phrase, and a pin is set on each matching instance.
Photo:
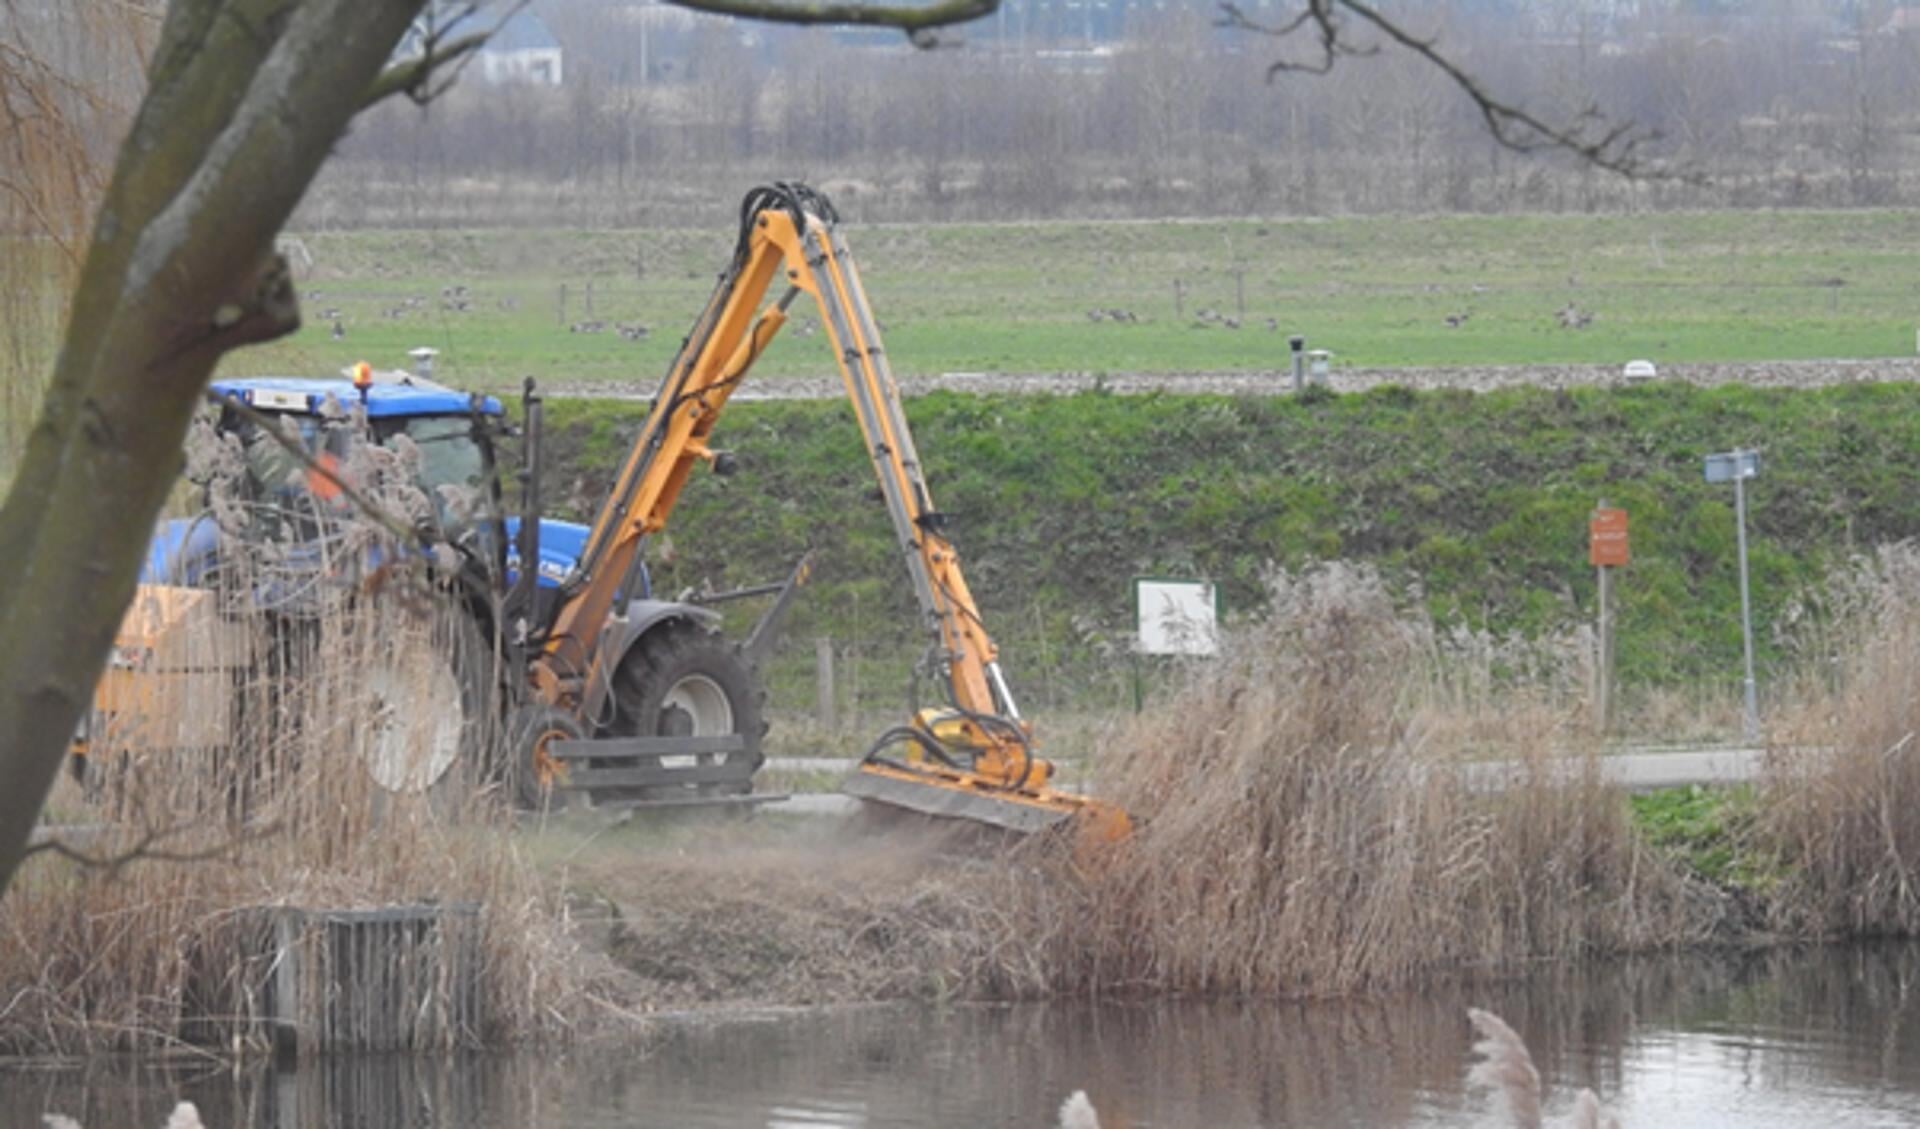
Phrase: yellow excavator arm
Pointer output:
(973, 760)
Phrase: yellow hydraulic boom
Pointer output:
(973, 760)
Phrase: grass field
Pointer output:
(1015, 297)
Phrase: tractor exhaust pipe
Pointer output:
(520, 598)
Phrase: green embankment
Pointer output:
(1482, 500)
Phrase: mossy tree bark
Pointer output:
(246, 98)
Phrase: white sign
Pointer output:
(1729, 465)
(1176, 617)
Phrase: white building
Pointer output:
(521, 50)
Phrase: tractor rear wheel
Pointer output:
(687, 682)
(430, 714)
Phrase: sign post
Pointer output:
(1736, 466)
(1606, 551)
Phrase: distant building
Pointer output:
(521, 50)
(1903, 22)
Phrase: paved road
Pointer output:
(1635, 769)
(1644, 770)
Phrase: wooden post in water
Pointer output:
(395, 978)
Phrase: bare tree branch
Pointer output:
(245, 100)
(1319, 15)
(1591, 137)
(411, 77)
(919, 22)
(148, 848)
(416, 77)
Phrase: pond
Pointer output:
(1779, 1037)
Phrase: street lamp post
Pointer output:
(1737, 466)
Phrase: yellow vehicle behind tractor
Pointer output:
(607, 693)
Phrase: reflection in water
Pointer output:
(1776, 1038)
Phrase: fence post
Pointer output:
(823, 680)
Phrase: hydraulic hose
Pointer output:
(900, 735)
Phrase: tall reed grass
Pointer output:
(1302, 827)
(275, 740)
(174, 946)
(1839, 810)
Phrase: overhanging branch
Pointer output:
(916, 20)
(411, 77)
(1590, 137)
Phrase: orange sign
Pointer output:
(1607, 538)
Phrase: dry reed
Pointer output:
(1839, 801)
(266, 757)
(1302, 828)
(172, 945)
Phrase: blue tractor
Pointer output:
(685, 700)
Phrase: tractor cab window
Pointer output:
(280, 490)
(452, 472)
(453, 468)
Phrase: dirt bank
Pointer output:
(790, 910)
(1479, 378)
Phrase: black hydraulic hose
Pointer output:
(901, 734)
(989, 720)
(1005, 724)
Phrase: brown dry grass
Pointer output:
(1301, 830)
(725, 914)
(1840, 805)
(168, 948)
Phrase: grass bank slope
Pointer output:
(1479, 500)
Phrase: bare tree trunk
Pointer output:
(246, 98)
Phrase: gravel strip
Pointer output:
(1474, 378)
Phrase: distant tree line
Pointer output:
(1779, 103)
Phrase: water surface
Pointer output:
(1796, 1037)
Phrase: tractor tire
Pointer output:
(532, 771)
(431, 710)
(688, 682)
